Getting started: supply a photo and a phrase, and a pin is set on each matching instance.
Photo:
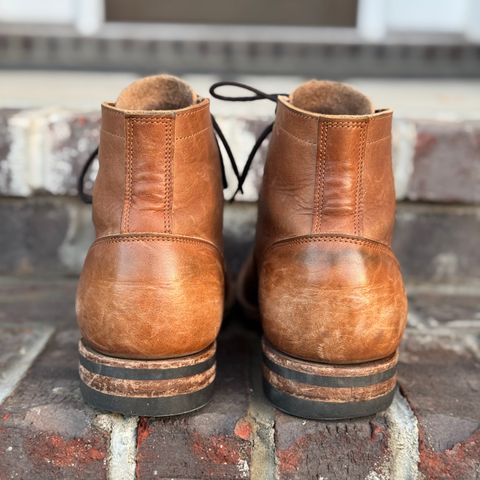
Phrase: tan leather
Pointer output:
(330, 288)
(153, 281)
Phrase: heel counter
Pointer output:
(150, 296)
(333, 299)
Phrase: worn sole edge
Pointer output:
(148, 407)
(179, 398)
(328, 381)
(320, 410)
(340, 380)
(146, 373)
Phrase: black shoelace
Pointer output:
(87, 198)
(258, 95)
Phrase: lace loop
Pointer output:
(258, 95)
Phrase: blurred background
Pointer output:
(330, 38)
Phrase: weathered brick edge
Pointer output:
(43, 150)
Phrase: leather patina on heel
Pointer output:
(323, 391)
(153, 388)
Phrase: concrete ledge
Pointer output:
(43, 150)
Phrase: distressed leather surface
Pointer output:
(330, 289)
(332, 298)
(150, 296)
(153, 282)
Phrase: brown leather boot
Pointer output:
(328, 286)
(151, 293)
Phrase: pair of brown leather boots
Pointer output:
(322, 276)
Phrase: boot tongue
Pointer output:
(158, 92)
(331, 98)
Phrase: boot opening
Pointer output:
(157, 92)
(330, 98)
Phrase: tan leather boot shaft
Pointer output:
(330, 288)
(153, 281)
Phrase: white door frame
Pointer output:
(87, 16)
(375, 18)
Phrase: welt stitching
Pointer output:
(144, 120)
(193, 112)
(129, 178)
(193, 134)
(331, 238)
(324, 170)
(338, 124)
(130, 183)
(154, 238)
(316, 194)
(167, 218)
(357, 187)
(335, 238)
(297, 114)
(168, 180)
(295, 137)
(341, 124)
(359, 196)
(113, 134)
(320, 178)
(353, 125)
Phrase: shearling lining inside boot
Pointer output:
(158, 92)
(330, 98)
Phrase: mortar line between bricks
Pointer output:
(122, 449)
(262, 414)
(404, 440)
(13, 374)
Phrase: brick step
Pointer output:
(49, 235)
(436, 131)
(432, 428)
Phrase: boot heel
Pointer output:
(153, 388)
(328, 392)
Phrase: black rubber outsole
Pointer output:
(147, 407)
(317, 410)
(153, 388)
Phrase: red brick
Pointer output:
(309, 449)
(439, 375)
(45, 427)
(446, 162)
(213, 442)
